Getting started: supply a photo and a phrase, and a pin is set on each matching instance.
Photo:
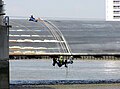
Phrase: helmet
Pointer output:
(61, 57)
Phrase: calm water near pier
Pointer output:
(79, 70)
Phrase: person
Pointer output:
(54, 61)
(66, 63)
(32, 19)
(71, 59)
(60, 62)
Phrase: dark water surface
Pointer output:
(91, 36)
(82, 36)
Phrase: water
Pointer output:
(79, 70)
(91, 36)
(82, 36)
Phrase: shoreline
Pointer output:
(63, 82)
(74, 86)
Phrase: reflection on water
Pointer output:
(111, 64)
(79, 70)
(111, 67)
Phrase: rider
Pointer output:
(54, 61)
(71, 59)
(61, 61)
(32, 19)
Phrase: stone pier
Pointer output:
(4, 74)
(4, 58)
(4, 50)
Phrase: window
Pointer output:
(116, 7)
(116, 12)
(116, 17)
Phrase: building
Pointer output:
(112, 10)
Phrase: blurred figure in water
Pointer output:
(33, 19)
(60, 61)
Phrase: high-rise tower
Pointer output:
(112, 10)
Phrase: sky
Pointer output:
(56, 8)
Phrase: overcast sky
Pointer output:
(56, 8)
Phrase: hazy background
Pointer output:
(85, 9)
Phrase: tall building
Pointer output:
(112, 10)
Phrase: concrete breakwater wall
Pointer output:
(83, 57)
(54, 82)
(74, 86)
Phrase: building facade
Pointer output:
(112, 10)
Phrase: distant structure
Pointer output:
(112, 10)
